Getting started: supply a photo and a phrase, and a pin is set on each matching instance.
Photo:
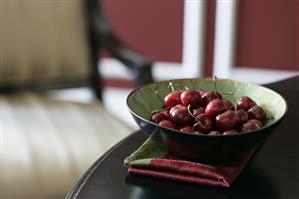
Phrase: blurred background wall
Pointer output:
(268, 34)
(265, 36)
(153, 27)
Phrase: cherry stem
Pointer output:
(214, 82)
(159, 97)
(157, 111)
(193, 128)
(189, 111)
(215, 87)
(171, 86)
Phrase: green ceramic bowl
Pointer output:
(144, 100)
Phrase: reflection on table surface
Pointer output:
(251, 183)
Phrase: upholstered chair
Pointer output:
(49, 47)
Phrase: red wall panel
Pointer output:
(268, 34)
(209, 37)
(153, 27)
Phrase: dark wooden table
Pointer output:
(274, 172)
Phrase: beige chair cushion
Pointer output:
(47, 144)
(43, 41)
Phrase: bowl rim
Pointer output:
(207, 135)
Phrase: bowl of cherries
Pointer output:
(206, 119)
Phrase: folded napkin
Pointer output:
(151, 160)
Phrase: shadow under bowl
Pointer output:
(142, 101)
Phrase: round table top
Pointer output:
(273, 173)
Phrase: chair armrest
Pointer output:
(140, 66)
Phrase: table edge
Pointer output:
(81, 182)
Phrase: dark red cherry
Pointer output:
(209, 96)
(256, 112)
(215, 107)
(203, 124)
(174, 108)
(229, 105)
(166, 113)
(230, 132)
(181, 116)
(191, 97)
(256, 122)
(214, 133)
(187, 129)
(245, 103)
(201, 91)
(167, 123)
(241, 116)
(251, 125)
(158, 117)
(226, 120)
(172, 98)
(198, 111)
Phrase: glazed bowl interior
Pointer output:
(143, 101)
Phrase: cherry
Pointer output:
(158, 117)
(172, 98)
(198, 111)
(229, 105)
(226, 120)
(241, 116)
(203, 123)
(214, 133)
(207, 108)
(191, 97)
(167, 124)
(256, 112)
(256, 122)
(209, 96)
(245, 103)
(180, 115)
(230, 132)
(187, 129)
(174, 108)
(251, 125)
(215, 107)
(201, 91)
(166, 113)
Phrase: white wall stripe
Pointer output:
(260, 76)
(193, 38)
(161, 70)
(224, 37)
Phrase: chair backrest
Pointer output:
(44, 42)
